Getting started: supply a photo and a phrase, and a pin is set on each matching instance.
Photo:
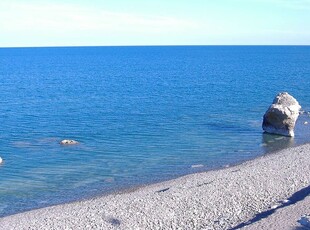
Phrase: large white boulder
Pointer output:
(281, 116)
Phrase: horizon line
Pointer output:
(77, 46)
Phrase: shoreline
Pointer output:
(217, 199)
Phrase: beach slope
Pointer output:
(222, 199)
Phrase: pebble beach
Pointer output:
(269, 192)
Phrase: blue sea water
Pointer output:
(141, 115)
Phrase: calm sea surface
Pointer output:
(141, 115)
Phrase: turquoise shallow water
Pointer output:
(141, 114)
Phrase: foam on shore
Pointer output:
(219, 199)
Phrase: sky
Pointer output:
(36, 23)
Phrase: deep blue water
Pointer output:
(142, 114)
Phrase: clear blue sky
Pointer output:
(153, 22)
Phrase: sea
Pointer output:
(141, 114)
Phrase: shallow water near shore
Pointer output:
(141, 115)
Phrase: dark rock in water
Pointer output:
(281, 116)
(69, 142)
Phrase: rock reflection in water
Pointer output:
(271, 142)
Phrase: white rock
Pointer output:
(69, 142)
(281, 116)
(274, 206)
(1, 160)
(306, 122)
(286, 201)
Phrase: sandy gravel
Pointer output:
(221, 199)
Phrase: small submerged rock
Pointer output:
(69, 142)
(109, 179)
(281, 116)
(197, 166)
